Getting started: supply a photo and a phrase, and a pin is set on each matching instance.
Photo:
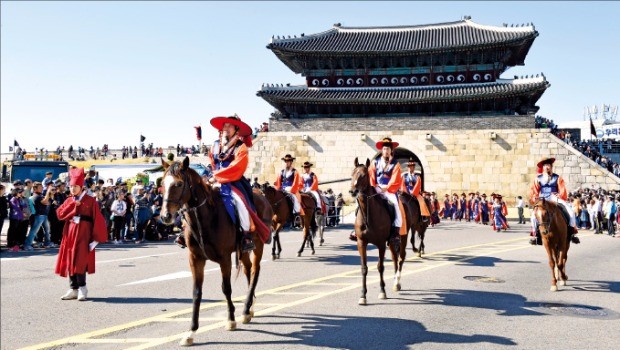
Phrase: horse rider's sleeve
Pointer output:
(372, 174)
(534, 191)
(562, 189)
(237, 167)
(417, 188)
(297, 183)
(394, 185)
(403, 186)
(315, 183)
(278, 184)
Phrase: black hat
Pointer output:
(18, 183)
(307, 164)
(288, 157)
(49, 173)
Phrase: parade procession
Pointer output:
(413, 188)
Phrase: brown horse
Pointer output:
(210, 234)
(554, 232)
(372, 224)
(413, 220)
(282, 211)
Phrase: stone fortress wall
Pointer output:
(453, 161)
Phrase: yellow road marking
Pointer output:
(349, 286)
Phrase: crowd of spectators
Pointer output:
(131, 213)
(594, 149)
(596, 210)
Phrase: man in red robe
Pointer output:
(84, 228)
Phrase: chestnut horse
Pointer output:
(414, 223)
(372, 224)
(554, 232)
(210, 234)
(281, 213)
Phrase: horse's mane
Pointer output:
(176, 168)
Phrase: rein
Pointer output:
(186, 208)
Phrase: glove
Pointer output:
(92, 245)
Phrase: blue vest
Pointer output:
(551, 187)
(287, 181)
(385, 175)
(410, 181)
(308, 181)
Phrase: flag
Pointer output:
(15, 143)
(198, 132)
(592, 128)
(142, 138)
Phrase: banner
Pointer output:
(198, 132)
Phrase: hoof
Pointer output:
(382, 296)
(397, 287)
(246, 319)
(313, 252)
(231, 326)
(186, 341)
(554, 288)
(298, 255)
(362, 301)
(251, 313)
(274, 257)
(419, 254)
(562, 283)
(277, 256)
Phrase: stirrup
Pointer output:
(247, 243)
(180, 241)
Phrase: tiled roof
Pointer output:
(502, 88)
(405, 39)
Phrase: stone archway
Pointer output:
(403, 155)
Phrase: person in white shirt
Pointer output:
(119, 208)
(520, 206)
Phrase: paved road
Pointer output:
(140, 298)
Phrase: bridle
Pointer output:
(367, 198)
(545, 224)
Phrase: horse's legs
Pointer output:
(197, 266)
(399, 261)
(551, 256)
(562, 255)
(321, 224)
(381, 268)
(306, 233)
(361, 248)
(276, 242)
(253, 271)
(413, 248)
(311, 239)
(225, 268)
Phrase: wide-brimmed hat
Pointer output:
(463, 194)
(386, 142)
(288, 157)
(244, 129)
(411, 162)
(546, 160)
(470, 193)
(484, 195)
(307, 164)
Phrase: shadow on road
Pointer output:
(350, 332)
(489, 261)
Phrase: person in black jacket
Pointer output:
(4, 206)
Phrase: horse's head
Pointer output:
(360, 180)
(541, 213)
(177, 183)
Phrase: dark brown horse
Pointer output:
(372, 224)
(414, 223)
(554, 232)
(210, 234)
(281, 212)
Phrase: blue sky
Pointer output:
(89, 73)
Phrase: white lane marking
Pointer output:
(135, 258)
(170, 276)
(11, 259)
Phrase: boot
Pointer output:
(82, 292)
(247, 244)
(571, 234)
(394, 239)
(70, 295)
(180, 241)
